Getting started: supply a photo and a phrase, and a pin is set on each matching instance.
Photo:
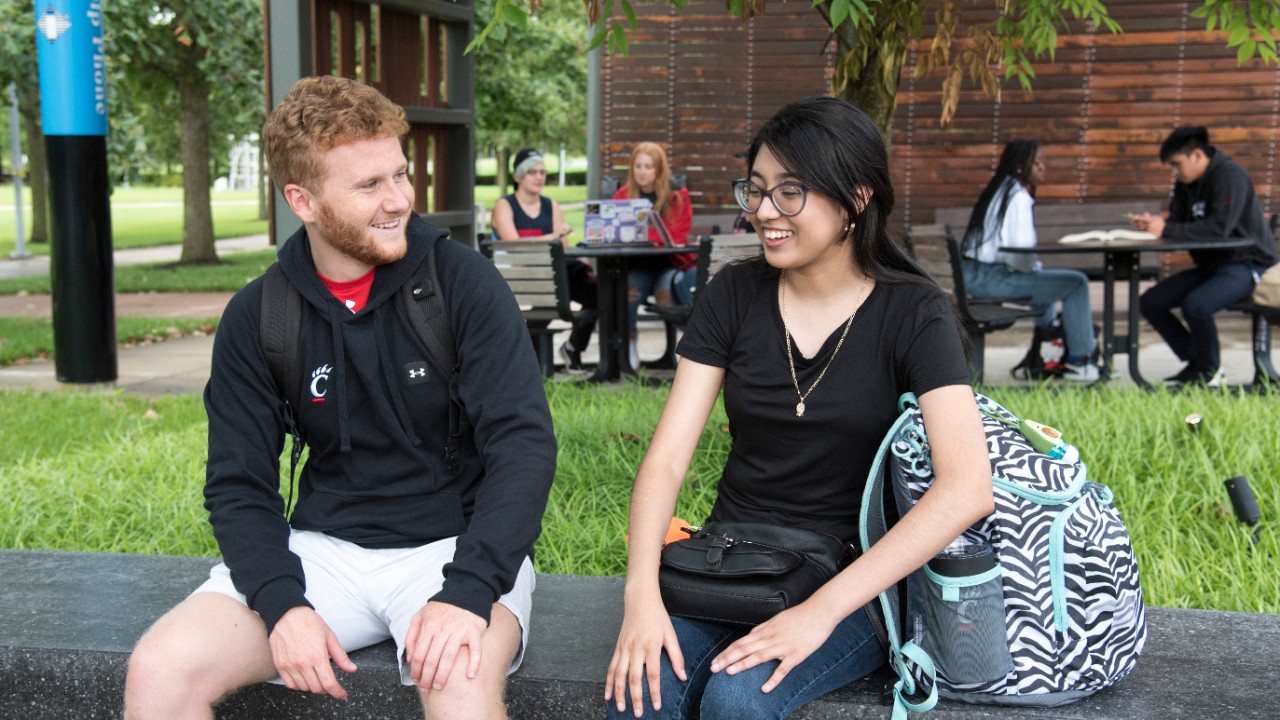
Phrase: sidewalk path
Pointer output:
(206, 304)
(39, 264)
(182, 366)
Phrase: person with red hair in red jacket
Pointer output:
(649, 177)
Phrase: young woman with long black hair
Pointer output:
(812, 344)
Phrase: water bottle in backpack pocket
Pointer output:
(963, 609)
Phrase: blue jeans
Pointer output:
(645, 281)
(852, 652)
(1045, 288)
(682, 286)
(1199, 292)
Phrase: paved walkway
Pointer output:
(182, 366)
(39, 264)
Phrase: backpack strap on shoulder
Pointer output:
(423, 298)
(280, 321)
(916, 689)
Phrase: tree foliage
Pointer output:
(1251, 25)
(873, 38)
(17, 44)
(18, 66)
(157, 51)
(531, 78)
(198, 62)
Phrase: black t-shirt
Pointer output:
(528, 226)
(810, 471)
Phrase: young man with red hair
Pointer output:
(390, 538)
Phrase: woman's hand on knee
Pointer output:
(637, 657)
(789, 637)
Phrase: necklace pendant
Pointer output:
(800, 409)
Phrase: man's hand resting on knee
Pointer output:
(301, 645)
(436, 634)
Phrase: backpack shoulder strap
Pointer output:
(280, 322)
(424, 300)
(916, 689)
(423, 297)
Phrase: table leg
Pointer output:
(612, 286)
(1135, 276)
(1108, 314)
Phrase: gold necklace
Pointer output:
(782, 284)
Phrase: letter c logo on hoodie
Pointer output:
(319, 378)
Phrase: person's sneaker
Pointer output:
(572, 358)
(1185, 375)
(1085, 372)
(1217, 378)
(1207, 378)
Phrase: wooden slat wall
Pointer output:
(699, 83)
(407, 66)
(1101, 111)
(695, 81)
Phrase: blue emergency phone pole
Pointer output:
(73, 96)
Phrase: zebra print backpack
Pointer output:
(1038, 604)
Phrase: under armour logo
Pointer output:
(417, 372)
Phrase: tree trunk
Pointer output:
(37, 168)
(875, 89)
(264, 184)
(501, 174)
(197, 215)
(870, 94)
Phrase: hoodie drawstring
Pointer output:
(344, 417)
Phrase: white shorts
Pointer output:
(367, 596)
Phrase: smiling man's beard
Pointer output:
(356, 242)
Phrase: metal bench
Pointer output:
(535, 272)
(980, 315)
(714, 251)
(1264, 372)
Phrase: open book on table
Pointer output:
(1113, 235)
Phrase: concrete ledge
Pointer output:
(69, 620)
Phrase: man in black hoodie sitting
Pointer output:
(388, 539)
(1213, 200)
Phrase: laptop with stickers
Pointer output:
(611, 222)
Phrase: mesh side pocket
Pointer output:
(965, 632)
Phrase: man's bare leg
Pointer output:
(480, 698)
(199, 652)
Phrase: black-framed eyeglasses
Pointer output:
(787, 197)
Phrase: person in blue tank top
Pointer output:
(527, 214)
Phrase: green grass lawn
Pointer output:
(146, 216)
(229, 275)
(114, 472)
(26, 338)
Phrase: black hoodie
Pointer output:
(1221, 205)
(375, 425)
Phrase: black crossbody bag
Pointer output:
(745, 573)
